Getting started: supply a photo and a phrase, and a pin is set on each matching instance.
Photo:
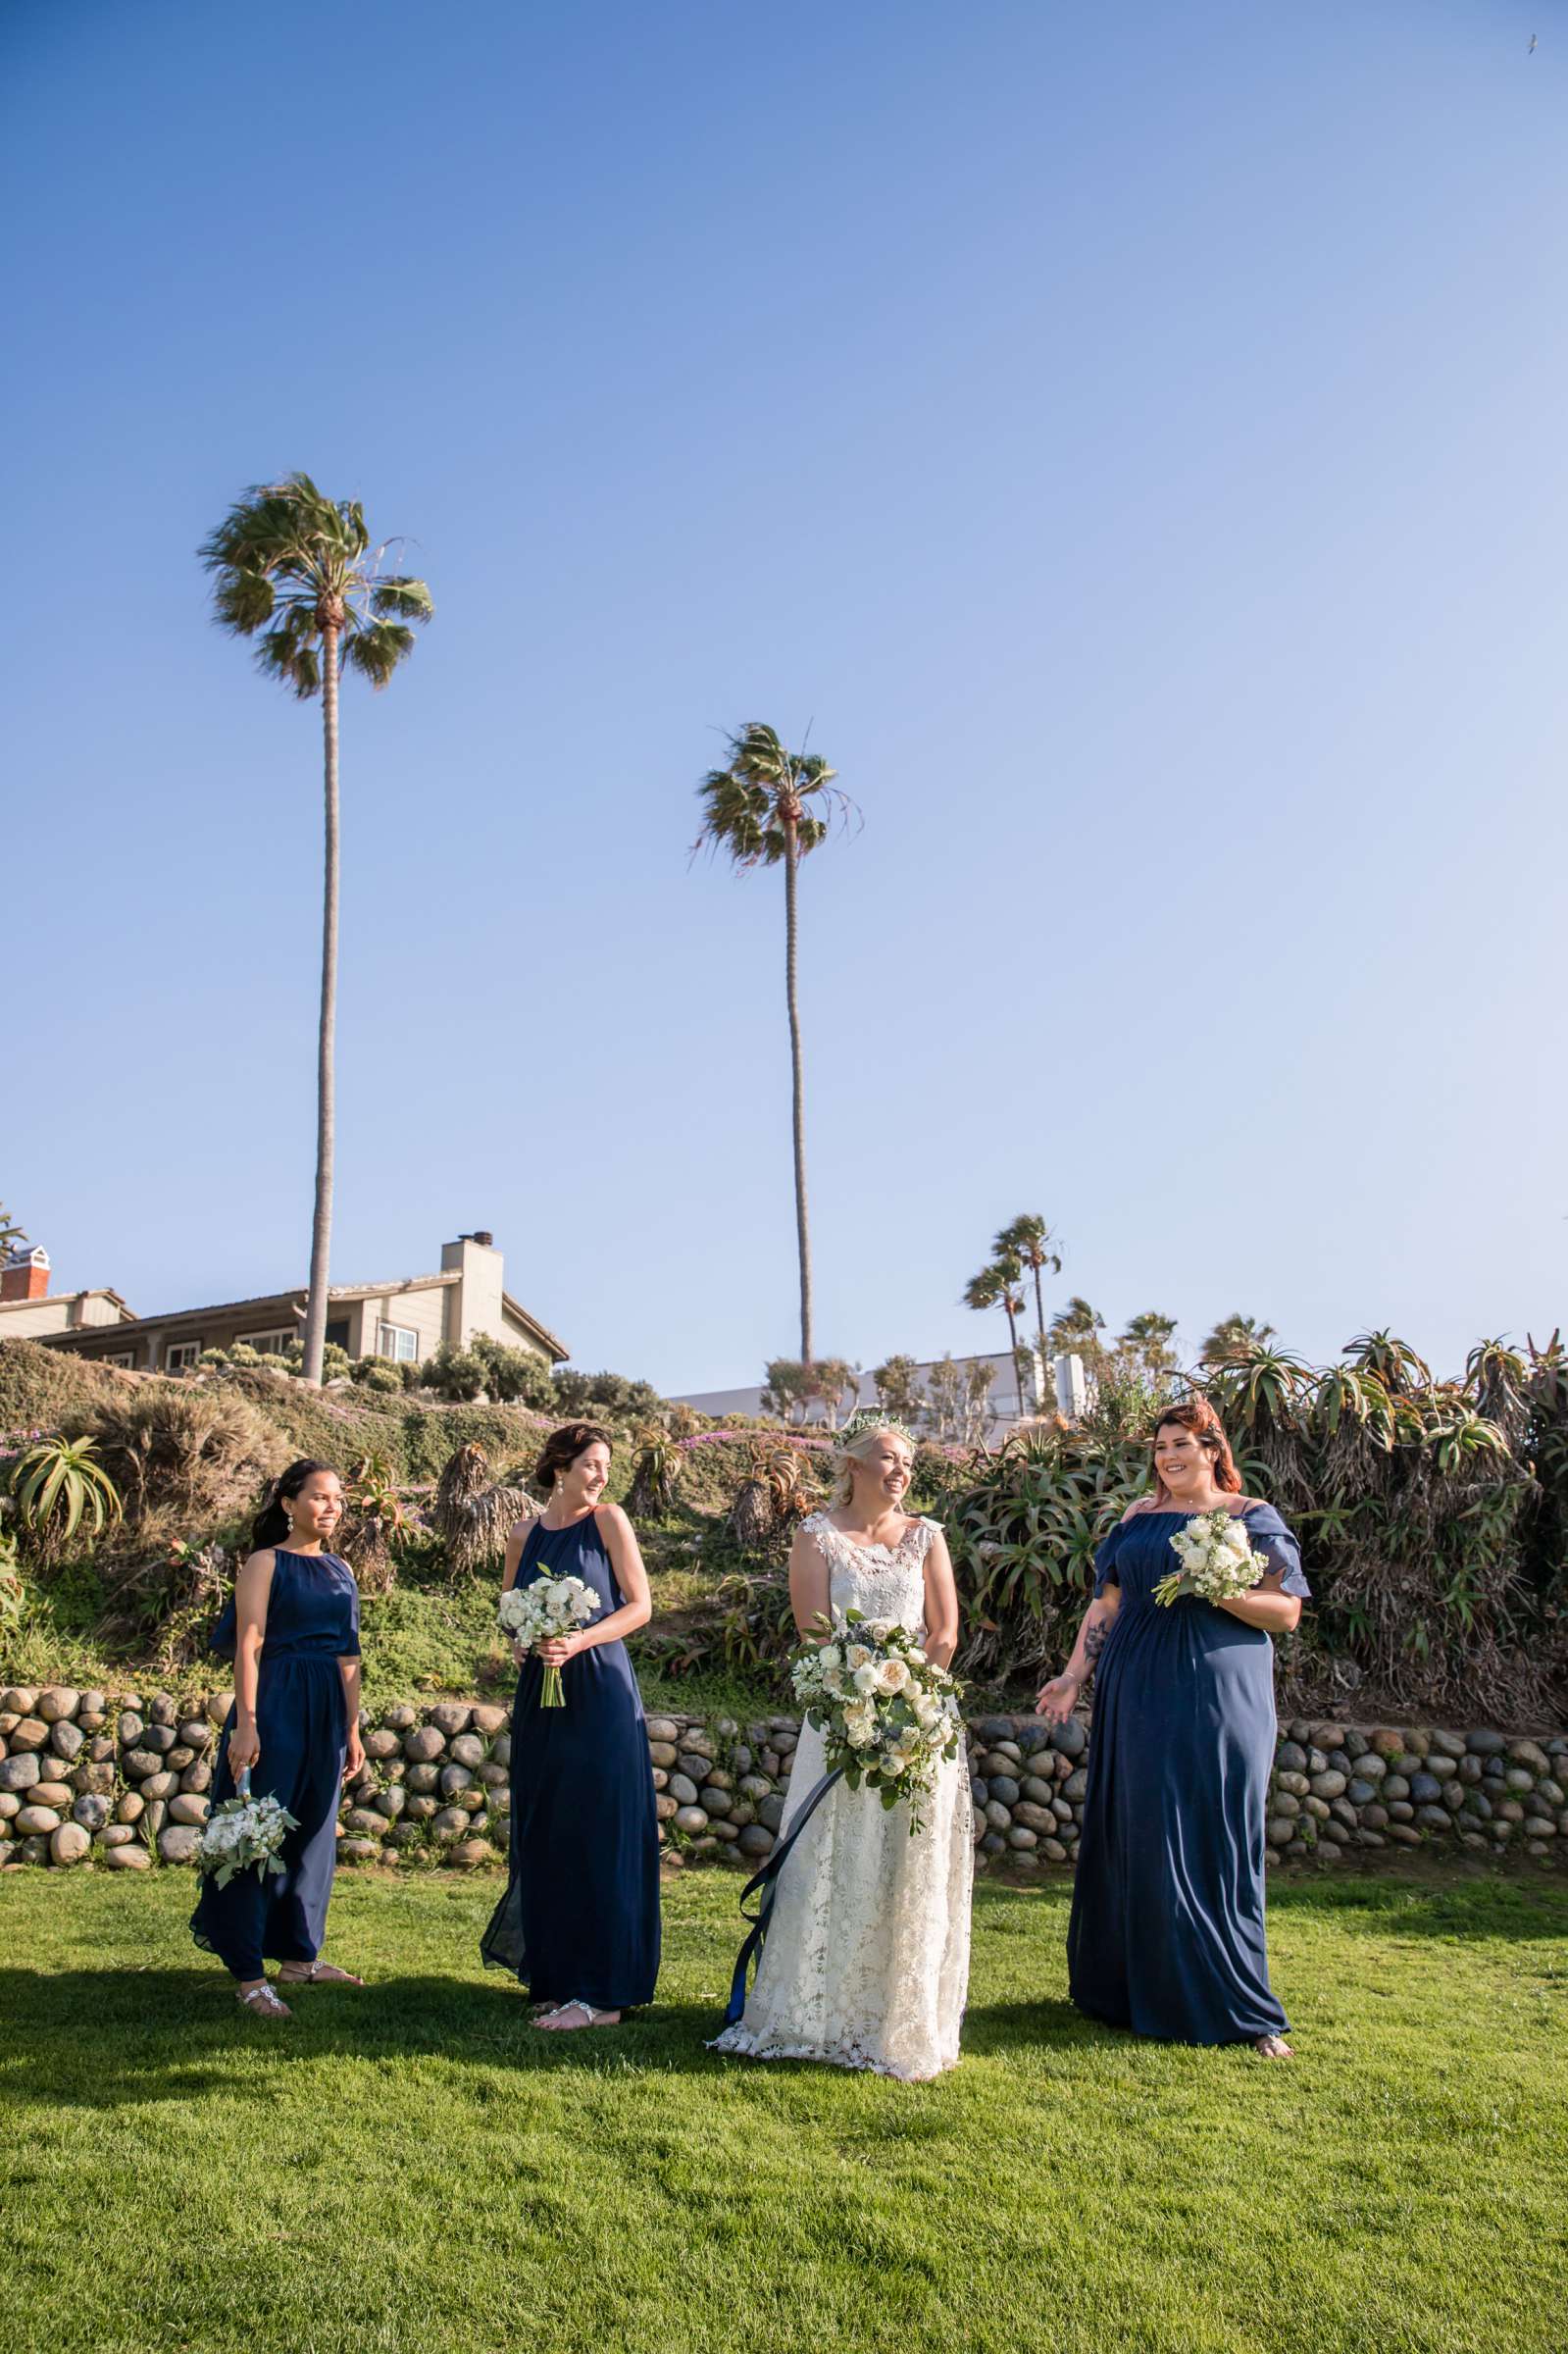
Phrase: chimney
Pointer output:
(25, 1274)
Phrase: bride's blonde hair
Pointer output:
(854, 1446)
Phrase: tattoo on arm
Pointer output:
(1093, 1643)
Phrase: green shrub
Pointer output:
(376, 1374)
(598, 1395)
(456, 1374)
(514, 1376)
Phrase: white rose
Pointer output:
(867, 1677)
(856, 1656)
(833, 1681)
(892, 1675)
(829, 1656)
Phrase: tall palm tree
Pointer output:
(299, 567)
(768, 807)
(996, 1286)
(1030, 1241)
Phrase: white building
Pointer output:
(1042, 1381)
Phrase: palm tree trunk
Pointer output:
(326, 1097)
(1042, 1359)
(802, 1231)
(1012, 1335)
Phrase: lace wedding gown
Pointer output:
(866, 1963)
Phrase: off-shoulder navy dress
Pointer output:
(579, 1919)
(1166, 1935)
(302, 1727)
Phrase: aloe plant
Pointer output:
(57, 1486)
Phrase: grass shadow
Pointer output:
(106, 2039)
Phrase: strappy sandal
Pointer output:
(316, 1973)
(591, 2016)
(1273, 2047)
(262, 2003)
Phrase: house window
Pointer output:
(398, 1342)
(271, 1343)
(337, 1334)
(181, 1355)
(124, 1357)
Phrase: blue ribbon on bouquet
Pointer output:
(766, 1880)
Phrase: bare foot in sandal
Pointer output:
(316, 1974)
(261, 2002)
(577, 2014)
(1273, 2047)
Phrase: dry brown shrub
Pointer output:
(183, 1457)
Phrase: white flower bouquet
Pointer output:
(242, 1834)
(887, 1714)
(1217, 1559)
(540, 1612)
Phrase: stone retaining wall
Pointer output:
(123, 1779)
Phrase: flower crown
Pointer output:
(872, 1417)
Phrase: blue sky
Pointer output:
(1131, 441)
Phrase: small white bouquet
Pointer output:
(887, 1716)
(539, 1612)
(244, 1832)
(1217, 1559)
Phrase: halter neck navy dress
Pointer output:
(1166, 1935)
(302, 1726)
(579, 1919)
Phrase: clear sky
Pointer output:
(1131, 440)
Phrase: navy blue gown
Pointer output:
(302, 1726)
(1166, 1935)
(580, 1918)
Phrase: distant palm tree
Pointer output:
(762, 809)
(1078, 1326)
(1149, 1337)
(299, 567)
(1232, 1336)
(10, 1233)
(1030, 1241)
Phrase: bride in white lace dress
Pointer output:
(866, 1963)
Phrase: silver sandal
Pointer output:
(591, 2016)
(317, 1975)
(261, 2002)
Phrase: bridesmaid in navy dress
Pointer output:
(295, 1727)
(1166, 1935)
(580, 1921)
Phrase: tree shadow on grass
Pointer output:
(105, 2039)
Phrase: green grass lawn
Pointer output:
(411, 2167)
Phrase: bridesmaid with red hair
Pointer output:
(1167, 1935)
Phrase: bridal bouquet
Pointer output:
(243, 1832)
(886, 1712)
(1217, 1559)
(538, 1613)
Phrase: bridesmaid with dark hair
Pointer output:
(295, 1727)
(580, 1921)
(1166, 1935)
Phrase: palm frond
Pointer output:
(376, 647)
(402, 597)
(286, 654)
